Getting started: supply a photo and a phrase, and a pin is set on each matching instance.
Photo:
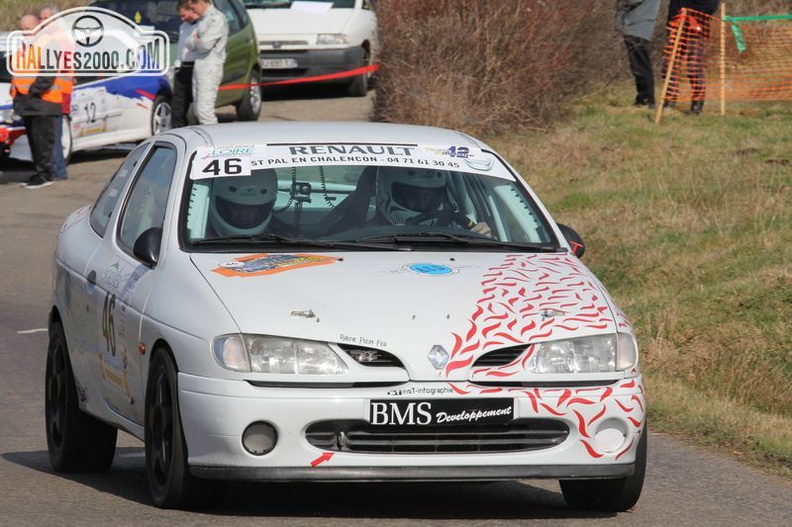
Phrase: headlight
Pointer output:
(266, 354)
(7, 116)
(331, 39)
(596, 354)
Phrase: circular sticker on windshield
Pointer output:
(431, 269)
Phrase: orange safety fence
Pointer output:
(727, 58)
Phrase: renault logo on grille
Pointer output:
(438, 356)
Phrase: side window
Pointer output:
(106, 203)
(241, 12)
(145, 207)
(234, 24)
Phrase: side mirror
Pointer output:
(147, 246)
(574, 239)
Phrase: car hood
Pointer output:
(407, 303)
(269, 23)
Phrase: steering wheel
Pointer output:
(445, 218)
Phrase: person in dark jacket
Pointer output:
(636, 20)
(692, 52)
(38, 100)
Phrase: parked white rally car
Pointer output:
(336, 302)
(104, 111)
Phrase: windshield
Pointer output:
(266, 4)
(161, 14)
(375, 206)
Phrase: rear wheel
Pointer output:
(171, 484)
(160, 115)
(614, 495)
(76, 441)
(249, 107)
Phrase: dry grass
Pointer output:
(688, 224)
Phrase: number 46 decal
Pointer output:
(221, 162)
(108, 324)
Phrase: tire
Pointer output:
(359, 86)
(76, 441)
(160, 115)
(249, 108)
(612, 495)
(170, 482)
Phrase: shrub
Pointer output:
(487, 67)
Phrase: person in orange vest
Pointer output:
(59, 170)
(38, 99)
(696, 32)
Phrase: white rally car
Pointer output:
(336, 302)
(104, 111)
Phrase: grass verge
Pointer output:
(688, 224)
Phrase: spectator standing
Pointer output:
(184, 65)
(636, 20)
(692, 51)
(38, 100)
(47, 11)
(59, 170)
(208, 41)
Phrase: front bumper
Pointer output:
(310, 63)
(216, 412)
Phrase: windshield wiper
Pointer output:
(465, 240)
(279, 240)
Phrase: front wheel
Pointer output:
(160, 115)
(171, 484)
(359, 86)
(613, 495)
(249, 107)
(76, 441)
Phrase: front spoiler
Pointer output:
(396, 473)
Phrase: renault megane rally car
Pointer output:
(336, 302)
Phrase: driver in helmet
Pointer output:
(417, 196)
(242, 205)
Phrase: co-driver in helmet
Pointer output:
(417, 196)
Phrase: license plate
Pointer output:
(278, 64)
(441, 412)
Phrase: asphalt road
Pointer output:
(685, 486)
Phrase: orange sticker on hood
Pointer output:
(261, 264)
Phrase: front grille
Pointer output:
(500, 357)
(520, 435)
(371, 356)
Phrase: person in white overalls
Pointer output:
(208, 41)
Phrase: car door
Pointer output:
(89, 111)
(75, 279)
(238, 53)
(124, 283)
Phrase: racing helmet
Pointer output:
(242, 205)
(404, 193)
